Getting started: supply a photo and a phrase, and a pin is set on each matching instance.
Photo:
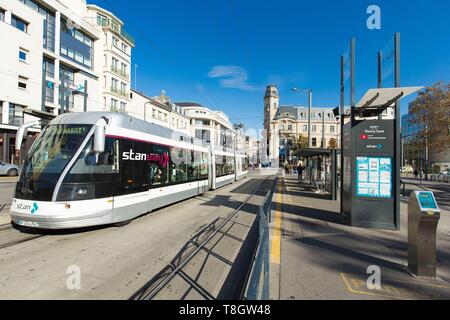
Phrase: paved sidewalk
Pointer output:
(320, 258)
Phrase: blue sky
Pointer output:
(223, 53)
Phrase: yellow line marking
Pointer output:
(400, 293)
(275, 252)
(351, 290)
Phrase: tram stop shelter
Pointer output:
(321, 161)
(370, 185)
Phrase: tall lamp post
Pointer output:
(310, 92)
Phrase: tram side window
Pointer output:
(223, 166)
(201, 165)
(245, 164)
(229, 167)
(192, 166)
(158, 168)
(179, 168)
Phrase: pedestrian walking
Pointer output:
(300, 172)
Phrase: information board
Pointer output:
(374, 177)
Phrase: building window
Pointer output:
(290, 127)
(67, 76)
(19, 23)
(50, 92)
(76, 46)
(115, 42)
(205, 123)
(15, 114)
(113, 104)
(102, 20)
(2, 15)
(314, 128)
(332, 129)
(204, 135)
(48, 67)
(49, 23)
(282, 127)
(123, 106)
(314, 142)
(23, 55)
(22, 83)
(305, 128)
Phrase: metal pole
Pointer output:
(426, 152)
(85, 95)
(341, 118)
(397, 133)
(380, 74)
(323, 130)
(309, 118)
(44, 88)
(380, 69)
(352, 72)
(63, 93)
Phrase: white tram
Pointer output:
(97, 168)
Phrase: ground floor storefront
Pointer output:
(8, 142)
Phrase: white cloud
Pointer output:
(233, 77)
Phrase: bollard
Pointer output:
(423, 219)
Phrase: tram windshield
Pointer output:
(46, 161)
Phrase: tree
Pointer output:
(430, 112)
(332, 144)
(302, 142)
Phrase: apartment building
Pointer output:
(53, 61)
(211, 126)
(116, 61)
(159, 110)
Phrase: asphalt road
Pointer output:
(114, 262)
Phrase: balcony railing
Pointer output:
(119, 92)
(117, 28)
(120, 72)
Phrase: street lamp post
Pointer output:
(310, 92)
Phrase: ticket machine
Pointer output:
(423, 219)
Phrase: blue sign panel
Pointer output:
(426, 200)
(374, 177)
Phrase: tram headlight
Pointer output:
(76, 192)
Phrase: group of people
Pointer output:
(299, 169)
(416, 173)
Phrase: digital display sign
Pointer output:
(374, 177)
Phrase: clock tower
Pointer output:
(271, 105)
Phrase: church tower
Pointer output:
(271, 105)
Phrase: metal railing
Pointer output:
(258, 286)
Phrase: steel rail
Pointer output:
(153, 292)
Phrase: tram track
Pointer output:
(10, 237)
(196, 244)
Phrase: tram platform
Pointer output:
(314, 255)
